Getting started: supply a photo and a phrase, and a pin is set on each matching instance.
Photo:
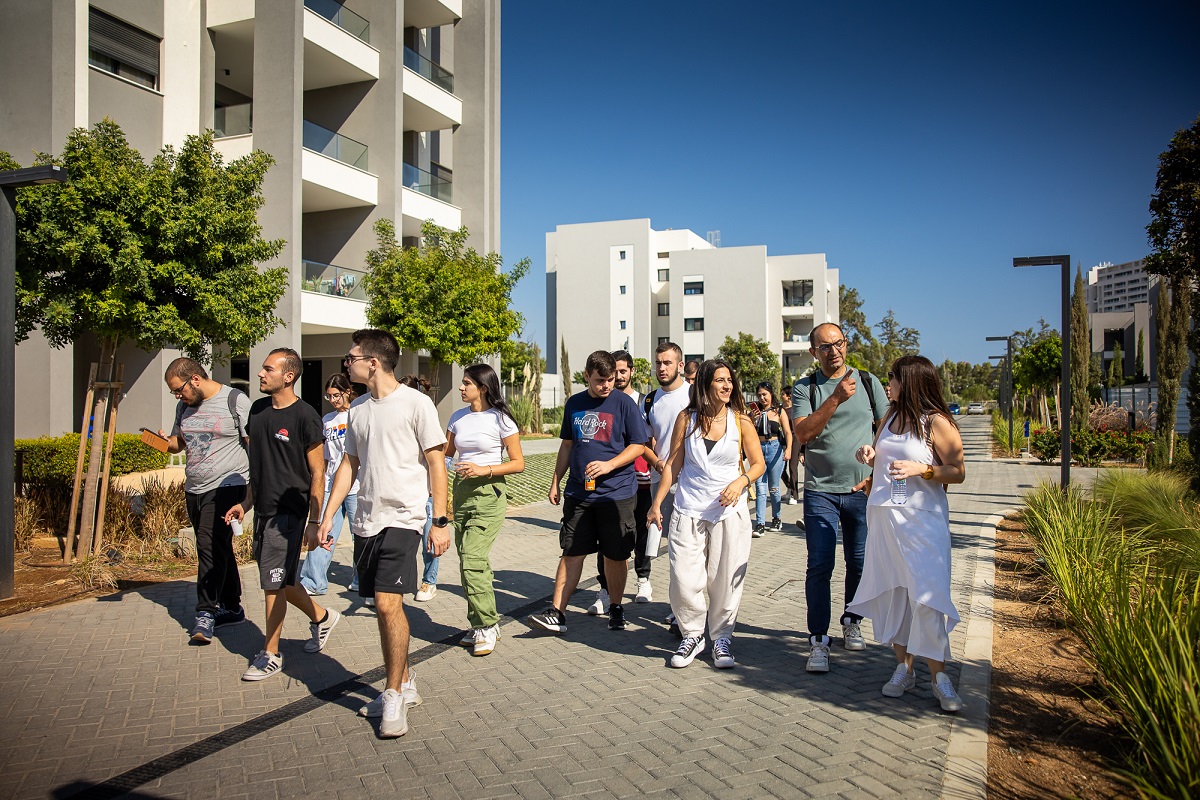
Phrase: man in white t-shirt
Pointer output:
(394, 447)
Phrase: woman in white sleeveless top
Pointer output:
(709, 539)
(905, 586)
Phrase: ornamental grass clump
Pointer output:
(1129, 590)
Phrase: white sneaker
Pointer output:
(645, 592)
(902, 680)
(469, 638)
(689, 648)
(374, 708)
(369, 602)
(486, 643)
(395, 715)
(852, 636)
(600, 606)
(943, 690)
(426, 592)
(319, 631)
(264, 665)
(818, 656)
(791, 501)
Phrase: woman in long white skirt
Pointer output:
(905, 586)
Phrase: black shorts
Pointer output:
(277, 544)
(606, 526)
(388, 562)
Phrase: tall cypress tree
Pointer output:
(1081, 353)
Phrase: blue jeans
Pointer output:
(314, 573)
(431, 561)
(773, 454)
(824, 513)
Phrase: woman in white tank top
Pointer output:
(905, 586)
(709, 539)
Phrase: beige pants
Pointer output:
(708, 556)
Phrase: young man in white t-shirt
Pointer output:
(394, 447)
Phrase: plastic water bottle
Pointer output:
(899, 491)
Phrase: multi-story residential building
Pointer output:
(621, 284)
(371, 109)
(1118, 287)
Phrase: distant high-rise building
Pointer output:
(1118, 287)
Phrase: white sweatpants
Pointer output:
(708, 556)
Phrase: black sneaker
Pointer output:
(616, 618)
(551, 620)
(758, 531)
(202, 628)
(776, 525)
(689, 648)
(227, 617)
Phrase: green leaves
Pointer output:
(753, 361)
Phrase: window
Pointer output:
(697, 357)
(664, 275)
(621, 255)
(664, 309)
(121, 49)
(693, 287)
(664, 339)
(693, 324)
(664, 255)
(622, 290)
(622, 324)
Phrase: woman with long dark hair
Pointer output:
(905, 586)
(480, 433)
(775, 437)
(314, 574)
(709, 538)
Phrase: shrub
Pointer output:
(49, 458)
(552, 414)
(1092, 447)
(1044, 443)
(27, 522)
(521, 406)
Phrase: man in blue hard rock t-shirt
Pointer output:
(602, 433)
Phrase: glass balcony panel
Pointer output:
(419, 180)
(341, 16)
(328, 143)
(429, 70)
(234, 120)
(332, 280)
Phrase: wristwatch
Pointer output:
(441, 522)
(928, 474)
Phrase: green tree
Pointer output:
(752, 359)
(642, 375)
(853, 320)
(1171, 322)
(514, 355)
(894, 340)
(1081, 353)
(1116, 368)
(1174, 236)
(1037, 366)
(1139, 359)
(443, 296)
(564, 369)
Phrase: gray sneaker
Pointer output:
(818, 656)
(394, 721)
(943, 690)
(902, 680)
(320, 631)
(374, 708)
(852, 636)
(263, 666)
(202, 628)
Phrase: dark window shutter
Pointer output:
(123, 42)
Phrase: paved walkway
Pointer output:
(105, 697)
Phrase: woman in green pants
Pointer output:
(480, 434)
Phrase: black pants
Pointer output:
(218, 584)
(641, 561)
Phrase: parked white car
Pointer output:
(975, 408)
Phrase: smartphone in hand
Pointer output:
(152, 439)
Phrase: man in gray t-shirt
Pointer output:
(833, 412)
(210, 424)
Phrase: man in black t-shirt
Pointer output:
(602, 433)
(287, 483)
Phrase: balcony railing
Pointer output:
(436, 186)
(332, 144)
(435, 73)
(235, 120)
(341, 16)
(332, 280)
(797, 301)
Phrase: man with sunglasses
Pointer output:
(834, 411)
(210, 424)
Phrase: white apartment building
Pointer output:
(1117, 287)
(623, 285)
(371, 109)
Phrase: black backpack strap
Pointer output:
(647, 404)
(233, 412)
(179, 407)
(870, 387)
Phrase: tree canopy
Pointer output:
(514, 355)
(752, 359)
(164, 254)
(443, 296)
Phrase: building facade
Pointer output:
(623, 285)
(1118, 287)
(373, 109)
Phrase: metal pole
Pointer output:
(1064, 397)
(8, 358)
(1008, 368)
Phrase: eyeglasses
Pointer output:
(840, 344)
(334, 397)
(350, 358)
(179, 389)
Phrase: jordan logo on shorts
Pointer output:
(400, 582)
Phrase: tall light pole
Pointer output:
(1064, 396)
(10, 181)
(1008, 366)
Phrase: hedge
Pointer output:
(1091, 447)
(51, 458)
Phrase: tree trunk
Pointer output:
(91, 485)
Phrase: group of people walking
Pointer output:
(678, 462)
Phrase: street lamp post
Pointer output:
(1008, 366)
(1064, 396)
(10, 181)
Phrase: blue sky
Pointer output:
(919, 146)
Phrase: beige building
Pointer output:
(372, 109)
(623, 285)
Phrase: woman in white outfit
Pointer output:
(905, 586)
(709, 539)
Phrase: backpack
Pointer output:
(233, 412)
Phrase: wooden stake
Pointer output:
(91, 484)
(110, 434)
(69, 543)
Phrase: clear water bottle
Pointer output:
(899, 491)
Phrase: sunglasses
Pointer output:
(350, 359)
